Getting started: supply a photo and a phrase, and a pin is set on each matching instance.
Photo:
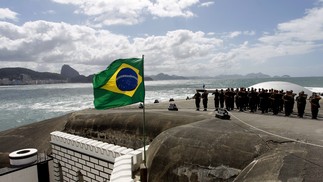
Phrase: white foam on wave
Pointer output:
(63, 106)
(315, 89)
(151, 96)
(12, 106)
(48, 86)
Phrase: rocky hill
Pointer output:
(238, 76)
(162, 76)
(26, 76)
(69, 72)
(70, 75)
(16, 74)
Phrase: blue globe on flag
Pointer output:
(127, 79)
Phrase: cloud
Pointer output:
(234, 34)
(49, 12)
(129, 12)
(6, 13)
(110, 12)
(172, 8)
(299, 36)
(308, 28)
(180, 47)
(42, 42)
(47, 42)
(296, 37)
(250, 33)
(206, 4)
(182, 52)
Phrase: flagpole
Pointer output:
(144, 113)
(143, 169)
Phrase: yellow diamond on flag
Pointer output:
(125, 80)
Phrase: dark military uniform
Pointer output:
(227, 99)
(315, 105)
(216, 99)
(242, 97)
(288, 103)
(231, 99)
(263, 101)
(197, 98)
(252, 96)
(276, 101)
(221, 98)
(237, 98)
(301, 103)
(205, 99)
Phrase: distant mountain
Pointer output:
(162, 76)
(16, 74)
(27, 76)
(13, 76)
(234, 76)
(147, 78)
(69, 72)
(257, 75)
(81, 79)
(237, 76)
(74, 76)
(70, 75)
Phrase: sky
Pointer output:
(176, 37)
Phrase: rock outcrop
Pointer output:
(69, 72)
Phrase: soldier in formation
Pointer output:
(288, 101)
(216, 99)
(221, 98)
(197, 98)
(315, 105)
(205, 99)
(265, 100)
(301, 103)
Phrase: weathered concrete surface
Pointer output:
(296, 148)
(35, 135)
(265, 148)
(121, 126)
(201, 147)
(194, 146)
(125, 128)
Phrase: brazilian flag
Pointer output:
(120, 84)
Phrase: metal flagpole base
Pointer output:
(143, 172)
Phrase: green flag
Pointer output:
(120, 84)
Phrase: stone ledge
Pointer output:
(101, 150)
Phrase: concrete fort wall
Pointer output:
(77, 158)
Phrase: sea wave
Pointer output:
(315, 89)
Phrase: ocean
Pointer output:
(25, 104)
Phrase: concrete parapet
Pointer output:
(126, 165)
(91, 147)
(77, 158)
